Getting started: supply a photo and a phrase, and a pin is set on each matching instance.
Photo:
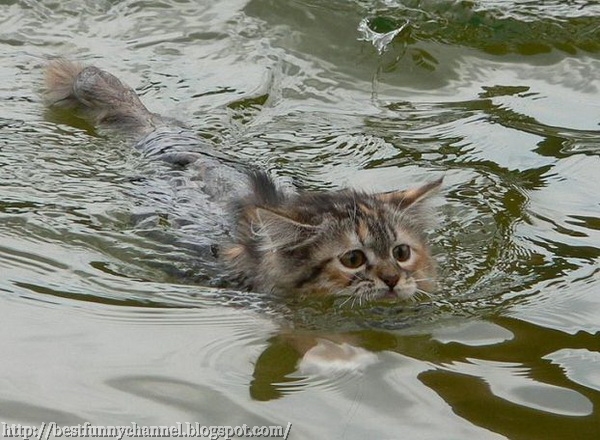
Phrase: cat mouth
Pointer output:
(379, 295)
(390, 294)
(393, 295)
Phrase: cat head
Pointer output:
(347, 243)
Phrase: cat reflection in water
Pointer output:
(350, 243)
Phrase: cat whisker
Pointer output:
(424, 293)
(366, 297)
(360, 297)
(346, 301)
(418, 280)
(421, 294)
(428, 266)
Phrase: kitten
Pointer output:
(367, 246)
(349, 243)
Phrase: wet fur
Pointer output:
(282, 241)
(292, 242)
(99, 97)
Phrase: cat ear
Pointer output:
(280, 231)
(405, 198)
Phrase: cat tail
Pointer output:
(98, 97)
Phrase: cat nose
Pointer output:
(390, 279)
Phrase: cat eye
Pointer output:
(353, 259)
(401, 252)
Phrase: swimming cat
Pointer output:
(349, 243)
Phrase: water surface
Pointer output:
(110, 315)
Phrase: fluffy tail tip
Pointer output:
(59, 80)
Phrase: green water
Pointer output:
(106, 320)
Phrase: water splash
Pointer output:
(381, 31)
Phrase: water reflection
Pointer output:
(508, 371)
(496, 28)
(202, 404)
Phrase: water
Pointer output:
(109, 317)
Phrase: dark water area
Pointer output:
(111, 314)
